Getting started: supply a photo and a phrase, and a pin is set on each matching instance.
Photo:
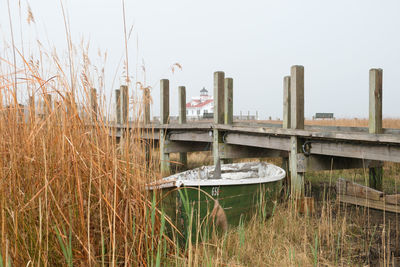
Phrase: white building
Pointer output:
(200, 105)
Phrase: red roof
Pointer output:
(198, 104)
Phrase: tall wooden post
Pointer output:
(125, 103)
(228, 110)
(164, 101)
(118, 106)
(296, 122)
(219, 80)
(164, 119)
(93, 104)
(146, 99)
(375, 120)
(286, 102)
(286, 120)
(228, 101)
(182, 120)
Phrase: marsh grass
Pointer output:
(72, 193)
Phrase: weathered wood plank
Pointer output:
(286, 102)
(150, 134)
(369, 203)
(228, 102)
(268, 141)
(323, 162)
(362, 137)
(353, 189)
(177, 126)
(381, 152)
(392, 199)
(228, 151)
(191, 136)
(186, 146)
(319, 128)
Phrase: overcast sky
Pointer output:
(254, 42)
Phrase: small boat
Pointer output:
(224, 194)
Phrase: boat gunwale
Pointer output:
(172, 181)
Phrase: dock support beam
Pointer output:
(286, 120)
(182, 120)
(296, 122)
(219, 80)
(375, 120)
(164, 119)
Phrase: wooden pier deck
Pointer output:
(303, 148)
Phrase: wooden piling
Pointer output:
(375, 101)
(93, 104)
(146, 99)
(182, 120)
(286, 120)
(182, 104)
(164, 101)
(296, 122)
(228, 101)
(286, 102)
(118, 106)
(164, 119)
(219, 80)
(375, 120)
(228, 112)
(125, 103)
(297, 97)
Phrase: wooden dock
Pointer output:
(303, 148)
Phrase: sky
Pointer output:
(254, 42)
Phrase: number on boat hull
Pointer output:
(215, 191)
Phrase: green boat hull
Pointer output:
(213, 199)
(220, 207)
